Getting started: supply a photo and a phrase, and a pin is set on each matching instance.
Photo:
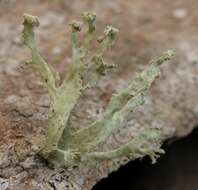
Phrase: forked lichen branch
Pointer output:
(66, 148)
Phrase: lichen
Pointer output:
(65, 148)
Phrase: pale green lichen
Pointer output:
(66, 148)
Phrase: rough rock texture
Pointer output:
(145, 31)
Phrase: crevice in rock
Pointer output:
(176, 170)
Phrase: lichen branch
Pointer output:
(89, 19)
(96, 65)
(147, 143)
(37, 62)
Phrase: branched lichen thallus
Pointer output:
(64, 148)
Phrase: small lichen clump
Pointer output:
(65, 148)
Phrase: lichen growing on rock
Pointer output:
(65, 148)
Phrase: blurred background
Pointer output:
(146, 28)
